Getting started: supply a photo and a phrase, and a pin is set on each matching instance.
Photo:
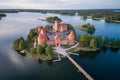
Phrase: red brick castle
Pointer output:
(59, 35)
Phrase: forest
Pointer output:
(109, 15)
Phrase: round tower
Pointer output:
(56, 25)
(71, 37)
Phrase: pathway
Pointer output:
(73, 46)
(64, 53)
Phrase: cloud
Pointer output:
(59, 4)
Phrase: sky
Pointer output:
(59, 4)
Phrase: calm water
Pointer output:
(103, 65)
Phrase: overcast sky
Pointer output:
(59, 4)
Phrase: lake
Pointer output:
(102, 65)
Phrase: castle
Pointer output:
(59, 35)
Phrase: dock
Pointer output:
(57, 60)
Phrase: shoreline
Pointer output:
(85, 29)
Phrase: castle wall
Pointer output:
(50, 42)
(65, 41)
(59, 38)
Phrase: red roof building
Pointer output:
(60, 27)
(55, 38)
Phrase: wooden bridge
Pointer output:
(80, 68)
(63, 52)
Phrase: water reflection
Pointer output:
(91, 32)
(40, 61)
(14, 58)
(104, 49)
(88, 54)
(50, 63)
(115, 50)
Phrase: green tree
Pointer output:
(31, 35)
(48, 27)
(118, 42)
(106, 41)
(84, 17)
(52, 19)
(113, 42)
(44, 45)
(99, 41)
(33, 51)
(85, 40)
(70, 27)
(93, 43)
(21, 38)
(16, 44)
(82, 40)
(22, 45)
(39, 49)
(49, 50)
(28, 38)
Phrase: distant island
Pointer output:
(109, 15)
(84, 17)
(87, 27)
(51, 19)
(2, 15)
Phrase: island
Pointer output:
(2, 15)
(47, 42)
(94, 18)
(115, 19)
(111, 42)
(41, 41)
(51, 19)
(108, 17)
(84, 17)
(86, 27)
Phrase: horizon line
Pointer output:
(64, 9)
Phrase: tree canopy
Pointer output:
(49, 50)
(19, 44)
(39, 49)
(32, 35)
(88, 40)
(52, 19)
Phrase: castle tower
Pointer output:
(57, 40)
(56, 25)
(39, 29)
(44, 35)
(71, 37)
(40, 39)
(63, 27)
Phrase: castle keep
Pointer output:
(59, 35)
